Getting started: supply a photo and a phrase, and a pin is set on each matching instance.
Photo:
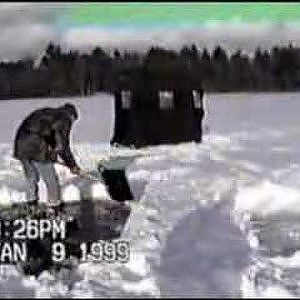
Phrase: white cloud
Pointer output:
(231, 35)
(19, 41)
(26, 28)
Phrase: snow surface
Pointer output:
(219, 218)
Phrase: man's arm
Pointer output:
(62, 137)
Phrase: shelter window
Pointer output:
(126, 99)
(166, 99)
(197, 99)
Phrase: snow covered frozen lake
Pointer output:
(221, 218)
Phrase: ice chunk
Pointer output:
(267, 198)
(71, 193)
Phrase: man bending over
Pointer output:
(43, 138)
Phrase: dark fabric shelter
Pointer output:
(153, 107)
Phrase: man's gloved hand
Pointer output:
(76, 170)
(53, 155)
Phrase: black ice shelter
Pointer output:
(154, 106)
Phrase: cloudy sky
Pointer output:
(26, 28)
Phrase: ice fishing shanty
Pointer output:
(153, 108)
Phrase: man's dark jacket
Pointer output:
(44, 135)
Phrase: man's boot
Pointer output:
(32, 203)
(56, 208)
(32, 207)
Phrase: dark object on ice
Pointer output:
(44, 131)
(153, 108)
(114, 176)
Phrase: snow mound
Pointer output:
(267, 198)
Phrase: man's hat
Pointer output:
(71, 109)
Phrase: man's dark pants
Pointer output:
(36, 170)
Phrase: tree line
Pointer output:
(71, 73)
